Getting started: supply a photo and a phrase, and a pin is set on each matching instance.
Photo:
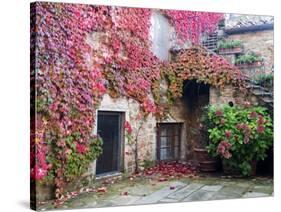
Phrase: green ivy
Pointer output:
(77, 163)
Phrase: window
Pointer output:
(168, 141)
(161, 36)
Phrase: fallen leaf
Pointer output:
(162, 179)
(125, 193)
(101, 189)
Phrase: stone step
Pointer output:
(257, 87)
(262, 93)
(267, 100)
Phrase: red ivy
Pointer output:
(71, 76)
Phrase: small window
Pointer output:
(168, 141)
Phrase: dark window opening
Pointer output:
(195, 94)
(168, 141)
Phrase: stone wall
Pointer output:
(259, 42)
(222, 95)
(146, 134)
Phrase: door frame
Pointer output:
(121, 148)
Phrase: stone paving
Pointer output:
(147, 191)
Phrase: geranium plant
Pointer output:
(248, 59)
(240, 136)
(228, 44)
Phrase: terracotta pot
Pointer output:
(206, 162)
(249, 65)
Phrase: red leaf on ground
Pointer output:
(162, 179)
(101, 189)
(125, 193)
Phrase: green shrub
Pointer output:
(239, 135)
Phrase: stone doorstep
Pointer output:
(161, 194)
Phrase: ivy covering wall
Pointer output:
(71, 76)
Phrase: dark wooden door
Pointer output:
(109, 129)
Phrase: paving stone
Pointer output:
(184, 192)
(168, 200)
(161, 194)
(140, 190)
(125, 200)
(233, 190)
(255, 194)
(225, 195)
(263, 189)
(200, 195)
(211, 187)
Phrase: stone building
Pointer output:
(176, 136)
(255, 33)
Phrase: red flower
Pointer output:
(260, 129)
(128, 127)
(260, 120)
(246, 139)
(253, 115)
(223, 149)
(81, 148)
(227, 155)
(219, 113)
(38, 173)
(227, 134)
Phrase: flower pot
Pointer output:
(206, 162)
(249, 65)
(229, 170)
(231, 50)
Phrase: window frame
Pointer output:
(176, 132)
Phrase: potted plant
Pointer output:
(250, 60)
(230, 47)
(241, 136)
(207, 163)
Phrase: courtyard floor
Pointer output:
(150, 191)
